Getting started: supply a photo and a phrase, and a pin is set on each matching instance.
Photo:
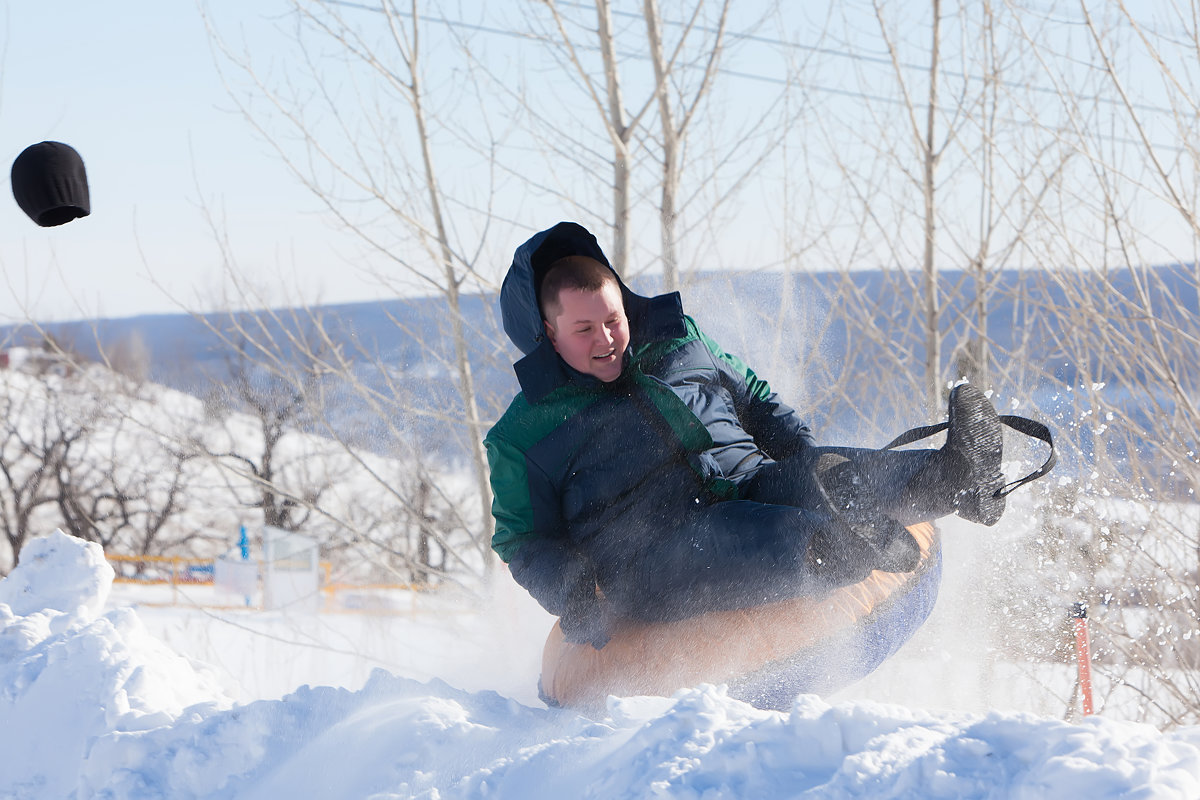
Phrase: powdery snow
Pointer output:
(93, 705)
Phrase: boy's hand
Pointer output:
(586, 619)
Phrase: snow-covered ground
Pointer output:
(102, 695)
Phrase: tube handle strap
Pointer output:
(1028, 427)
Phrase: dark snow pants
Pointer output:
(723, 555)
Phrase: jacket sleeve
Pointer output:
(539, 554)
(775, 426)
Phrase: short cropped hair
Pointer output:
(572, 272)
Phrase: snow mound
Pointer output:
(68, 675)
(58, 573)
(398, 738)
(92, 706)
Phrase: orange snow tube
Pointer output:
(767, 654)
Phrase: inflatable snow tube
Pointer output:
(767, 654)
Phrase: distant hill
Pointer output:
(747, 313)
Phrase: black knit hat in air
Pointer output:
(50, 184)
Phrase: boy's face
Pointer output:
(590, 331)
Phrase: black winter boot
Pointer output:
(964, 476)
(972, 454)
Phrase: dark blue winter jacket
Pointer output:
(586, 473)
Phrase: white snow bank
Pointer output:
(93, 706)
(58, 573)
(68, 675)
(402, 738)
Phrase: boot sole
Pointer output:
(975, 436)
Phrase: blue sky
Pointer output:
(137, 94)
(134, 88)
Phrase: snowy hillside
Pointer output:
(149, 470)
(94, 704)
(117, 692)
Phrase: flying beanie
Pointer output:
(50, 184)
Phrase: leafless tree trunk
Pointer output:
(930, 153)
(618, 125)
(387, 182)
(454, 276)
(34, 440)
(672, 129)
(706, 177)
(122, 502)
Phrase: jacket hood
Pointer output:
(541, 369)
(519, 293)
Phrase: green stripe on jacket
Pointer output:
(522, 426)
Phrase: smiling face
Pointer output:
(590, 330)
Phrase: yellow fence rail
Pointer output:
(184, 571)
(161, 569)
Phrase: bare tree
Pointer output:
(605, 93)
(1119, 316)
(74, 456)
(377, 175)
(673, 126)
(34, 439)
(415, 513)
(319, 434)
(127, 503)
(272, 376)
(651, 163)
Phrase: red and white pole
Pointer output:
(1083, 651)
